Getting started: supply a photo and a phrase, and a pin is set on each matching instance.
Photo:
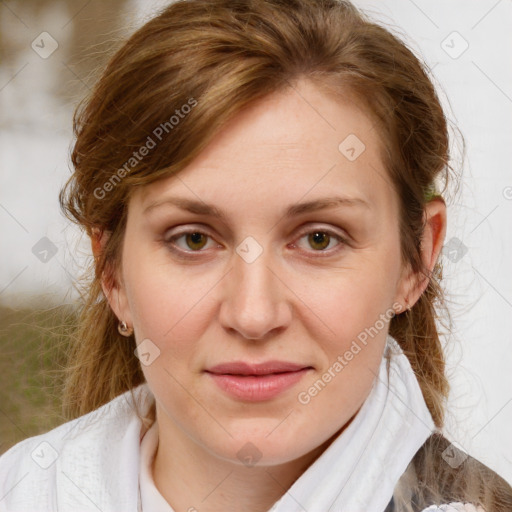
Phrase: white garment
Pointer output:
(93, 462)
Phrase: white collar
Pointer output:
(149, 496)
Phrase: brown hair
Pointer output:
(216, 57)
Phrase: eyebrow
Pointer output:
(202, 208)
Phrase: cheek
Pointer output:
(170, 306)
(349, 300)
(355, 305)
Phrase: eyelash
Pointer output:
(170, 242)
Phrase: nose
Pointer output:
(256, 299)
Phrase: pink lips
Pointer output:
(257, 382)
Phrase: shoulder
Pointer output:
(442, 474)
(74, 453)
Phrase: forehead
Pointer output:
(297, 143)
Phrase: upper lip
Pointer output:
(265, 368)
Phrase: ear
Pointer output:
(414, 284)
(111, 281)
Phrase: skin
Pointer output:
(293, 303)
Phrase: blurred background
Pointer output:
(51, 52)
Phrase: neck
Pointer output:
(190, 478)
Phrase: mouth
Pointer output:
(257, 382)
(256, 369)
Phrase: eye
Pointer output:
(320, 239)
(194, 240)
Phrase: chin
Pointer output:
(258, 448)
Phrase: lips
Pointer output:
(265, 368)
(256, 381)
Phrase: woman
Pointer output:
(258, 179)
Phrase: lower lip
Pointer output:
(257, 388)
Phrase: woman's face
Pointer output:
(260, 280)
